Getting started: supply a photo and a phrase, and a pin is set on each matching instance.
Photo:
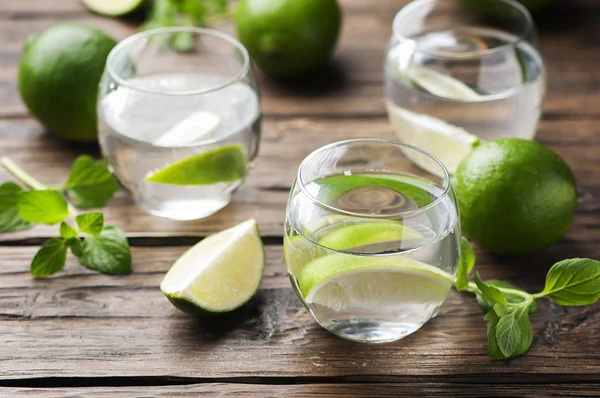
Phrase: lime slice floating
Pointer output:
(298, 251)
(341, 281)
(218, 274)
(367, 233)
(113, 8)
(449, 143)
(441, 85)
(223, 164)
(194, 128)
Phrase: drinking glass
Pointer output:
(372, 241)
(179, 128)
(459, 70)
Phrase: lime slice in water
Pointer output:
(113, 8)
(368, 233)
(441, 85)
(194, 128)
(298, 251)
(223, 164)
(341, 281)
(218, 274)
(449, 143)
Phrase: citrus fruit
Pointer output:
(441, 85)
(515, 196)
(449, 143)
(218, 274)
(368, 233)
(341, 281)
(288, 37)
(299, 251)
(194, 128)
(222, 164)
(113, 8)
(59, 75)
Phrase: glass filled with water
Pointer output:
(459, 71)
(179, 119)
(372, 240)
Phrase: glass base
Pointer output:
(373, 332)
(184, 210)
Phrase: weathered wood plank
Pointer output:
(408, 389)
(84, 324)
(284, 145)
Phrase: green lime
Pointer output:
(341, 281)
(368, 233)
(298, 251)
(59, 75)
(288, 37)
(218, 274)
(222, 164)
(114, 8)
(515, 196)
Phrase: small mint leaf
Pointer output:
(10, 220)
(494, 351)
(90, 183)
(487, 305)
(574, 281)
(108, 253)
(45, 206)
(465, 264)
(75, 245)
(90, 223)
(67, 232)
(489, 292)
(50, 259)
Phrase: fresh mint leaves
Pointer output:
(569, 282)
(90, 184)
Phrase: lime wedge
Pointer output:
(449, 143)
(194, 128)
(223, 164)
(113, 8)
(368, 233)
(298, 251)
(341, 281)
(218, 274)
(441, 85)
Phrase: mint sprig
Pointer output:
(90, 184)
(572, 282)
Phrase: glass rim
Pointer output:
(410, 7)
(243, 71)
(446, 178)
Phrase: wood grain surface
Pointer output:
(80, 333)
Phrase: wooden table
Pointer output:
(80, 333)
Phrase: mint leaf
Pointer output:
(465, 264)
(75, 245)
(489, 292)
(67, 232)
(10, 220)
(574, 281)
(494, 351)
(90, 223)
(46, 206)
(511, 298)
(108, 253)
(513, 332)
(50, 259)
(90, 183)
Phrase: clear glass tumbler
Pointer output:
(180, 129)
(459, 70)
(372, 241)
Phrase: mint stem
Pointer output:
(28, 180)
(528, 298)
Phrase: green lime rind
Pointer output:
(340, 184)
(113, 8)
(362, 234)
(223, 164)
(299, 251)
(329, 267)
(197, 310)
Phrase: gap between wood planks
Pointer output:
(132, 381)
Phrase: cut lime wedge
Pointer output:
(218, 274)
(341, 281)
(298, 251)
(449, 143)
(194, 128)
(441, 85)
(368, 233)
(113, 8)
(223, 164)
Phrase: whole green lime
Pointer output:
(515, 196)
(59, 75)
(288, 37)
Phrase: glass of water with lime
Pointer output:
(460, 71)
(372, 241)
(179, 119)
